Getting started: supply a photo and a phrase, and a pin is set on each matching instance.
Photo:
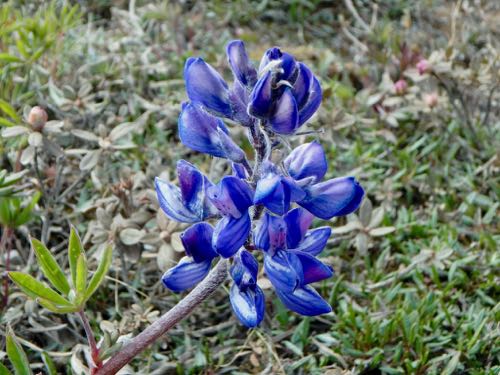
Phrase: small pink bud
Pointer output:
(423, 66)
(400, 86)
(431, 99)
(37, 118)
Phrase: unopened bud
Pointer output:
(431, 99)
(400, 86)
(423, 66)
(37, 118)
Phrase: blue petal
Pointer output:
(336, 197)
(244, 269)
(248, 305)
(313, 102)
(298, 222)
(304, 301)
(205, 86)
(186, 274)
(302, 85)
(271, 193)
(171, 202)
(192, 185)
(239, 99)
(285, 117)
(197, 241)
(307, 160)
(294, 191)
(315, 240)
(286, 62)
(230, 234)
(261, 97)
(239, 171)
(232, 196)
(203, 132)
(283, 270)
(240, 63)
(313, 270)
(261, 233)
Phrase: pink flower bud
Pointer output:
(431, 99)
(423, 66)
(400, 86)
(37, 118)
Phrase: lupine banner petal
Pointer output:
(240, 63)
(230, 234)
(171, 202)
(204, 85)
(197, 241)
(232, 196)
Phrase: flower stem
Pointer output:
(94, 351)
(180, 311)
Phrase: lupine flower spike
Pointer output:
(261, 207)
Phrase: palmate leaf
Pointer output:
(81, 274)
(100, 273)
(49, 267)
(75, 249)
(35, 289)
(58, 308)
(17, 356)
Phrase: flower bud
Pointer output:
(423, 66)
(431, 99)
(400, 86)
(37, 118)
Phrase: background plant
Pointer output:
(424, 299)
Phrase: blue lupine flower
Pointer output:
(197, 242)
(203, 132)
(286, 95)
(247, 298)
(189, 204)
(277, 98)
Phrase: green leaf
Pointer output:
(100, 273)
(9, 58)
(4, 370)
(74, 251)
(9, 110)
(17, 356)
(57, 308)
(6, 123)
(35, 289)
(81, 274)
(25, 215)
(49, 364)
(49, 267)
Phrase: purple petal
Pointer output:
(271, 193)
(240, 63)
(239, 99)
(205, 86)
(283, 270)
(315, 240)
(304, 301)
(230, 234)
(232, 196)
(313, 102)
(302, 85)
(186, 274)
(298, 222)
(239, 171)
(261, 233)
(313, 270)
(285, 117)
(248, 305)
(197, 241)
(203, 132)
(261, 97)
(171, 202)
(244, 269)
(191, 183)
(307, 160)
(286, 63)
(336, 197)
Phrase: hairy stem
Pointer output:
(94, 351)
(180, 311)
